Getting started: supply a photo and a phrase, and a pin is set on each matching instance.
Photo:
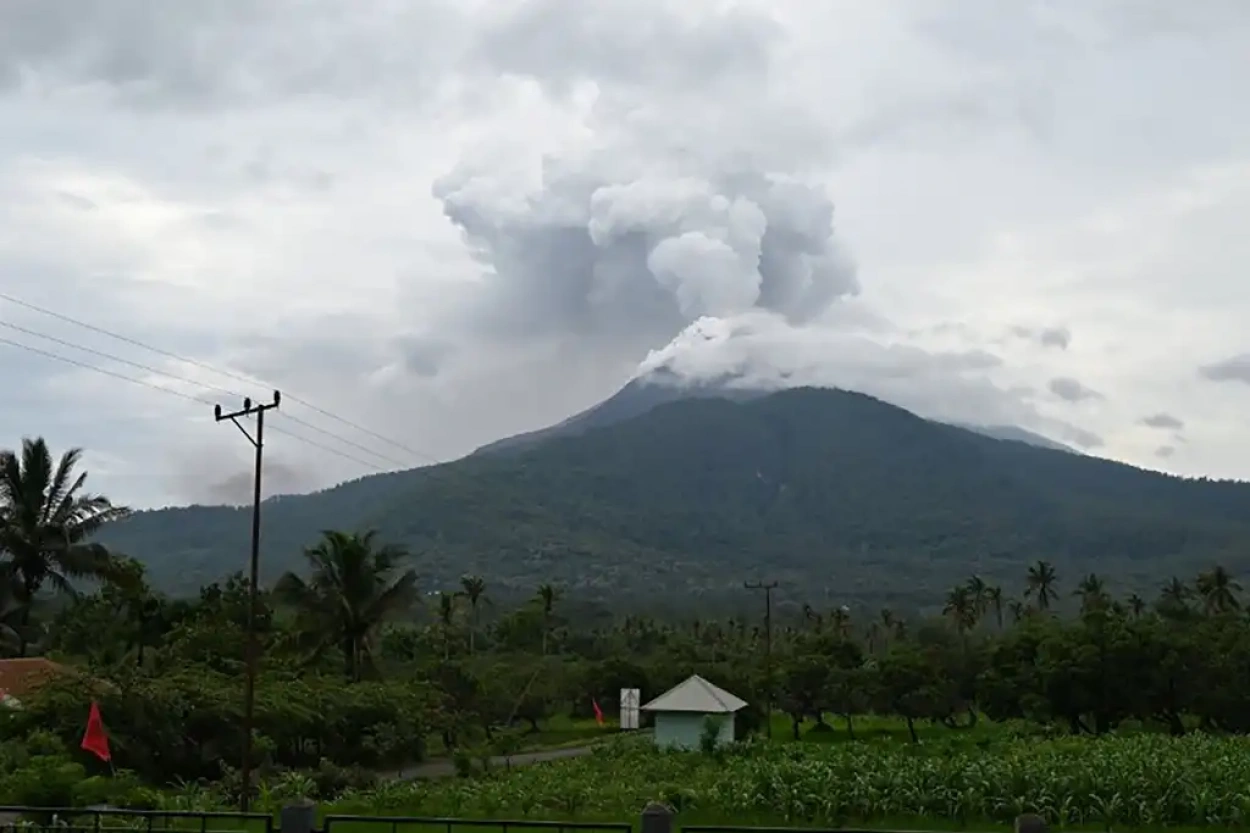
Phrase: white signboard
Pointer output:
(631, 700)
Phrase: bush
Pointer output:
(45, 781)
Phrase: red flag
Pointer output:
(598, 711)
(95, 740)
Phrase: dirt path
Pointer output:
(443, 767)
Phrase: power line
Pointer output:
(91, 367)
(220, 371)
(301, 438)
(341, 439)
(196, 399)
(196, 383)
(111, 357)
(362, 429)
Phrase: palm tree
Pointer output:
(1041, 584)
(979, 591)
(994, 599)
(11, 612)
(1016, 607)
(1218, 591)
(473, 588)
(961, 608)
(1137, 605)
(547, 598)
(1175, 595)
(446, 615)
(353, 588)
(46, 520)
(1092, 591)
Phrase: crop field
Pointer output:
(1142, 781)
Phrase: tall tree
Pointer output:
(446, 616)
(1218, 591)
(473, 588)
(355, 585)
(979, 592)
(1092, 591)
(994, 600)
(1174, 598)
(548, 595)
(46, 520)
(961, 608)
(1041, 582)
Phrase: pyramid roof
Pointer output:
(696, 695)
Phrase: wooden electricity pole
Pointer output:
(768, 589)
(251, 652)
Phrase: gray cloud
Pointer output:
(1059, 337)
(205, 476)
(1055, 337)
(1163, 452)
(1163, 420)
(1234, 369)
(561, 42)
(1070, 390)
(223, 54)
(1083, 438)
(279, 478)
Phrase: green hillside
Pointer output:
(835, 494)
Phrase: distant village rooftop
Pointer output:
(22, 676)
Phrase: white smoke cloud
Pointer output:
(642, 257)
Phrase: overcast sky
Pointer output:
(446, 222)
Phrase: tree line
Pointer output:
(363, 672)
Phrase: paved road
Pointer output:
(441, 768)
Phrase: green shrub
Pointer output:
(45, 781)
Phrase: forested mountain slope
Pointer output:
(836, 494)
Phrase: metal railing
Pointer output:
(23, 819)
(449, 825)
(722, 828)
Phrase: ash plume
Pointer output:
(635, 260)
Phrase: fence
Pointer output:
(420, 824)
(301, 819)
(720, 828)
(20, 819)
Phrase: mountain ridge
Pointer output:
(642, 394)
(828, 491)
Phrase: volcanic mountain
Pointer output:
(835, 494)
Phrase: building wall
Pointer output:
(682, 730)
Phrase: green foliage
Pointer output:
(828, 488)
(1131, 781)
(709, 736)
(356, 682)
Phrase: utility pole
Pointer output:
(250, 651)
(768, 589)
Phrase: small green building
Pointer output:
(682, 712)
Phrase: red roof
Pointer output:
(19, 677)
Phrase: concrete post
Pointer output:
(298, 817)
(656, 818)
(1031, 823)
